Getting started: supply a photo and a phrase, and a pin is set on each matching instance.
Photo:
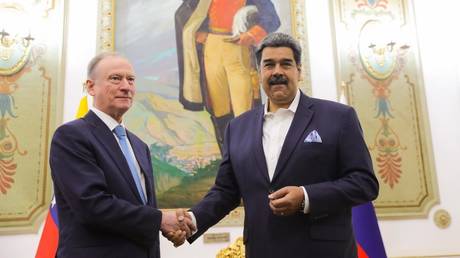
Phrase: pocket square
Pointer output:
(313, 136)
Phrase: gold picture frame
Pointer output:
(114, 32)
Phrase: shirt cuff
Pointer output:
(194, 221)
(306, 208)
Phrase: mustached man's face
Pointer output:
(280, 75)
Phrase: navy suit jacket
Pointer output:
(337, 174)
(99, 209)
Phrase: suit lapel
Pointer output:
(107, 139)
(258, 146)
(302, 118)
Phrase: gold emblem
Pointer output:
(15, 39)
(442, 219)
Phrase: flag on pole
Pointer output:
(82, 107)
(367, 232)
(47, 246)
(50, 235)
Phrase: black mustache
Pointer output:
(277, 79)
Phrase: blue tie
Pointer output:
(120, 132)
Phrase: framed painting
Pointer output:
(380, 74)
(30, 75)
(174, 112)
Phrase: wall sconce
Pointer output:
(7, 41)
(3, 38)
(26, 41)
(16, 38)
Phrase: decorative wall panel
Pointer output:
(380, 75)
(30, 66)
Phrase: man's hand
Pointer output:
(177, 237)
(287, 200)
(176, 226)
(246, 39)
(185, 222)
(201, 37)
(170, 228)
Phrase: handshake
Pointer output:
(177, 226)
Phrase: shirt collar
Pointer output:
(292, 107)
(108, 120)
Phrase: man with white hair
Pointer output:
(103, 178)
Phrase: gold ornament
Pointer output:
(442, 219)
(235, 250)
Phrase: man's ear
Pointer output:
(90, 87)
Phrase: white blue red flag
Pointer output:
(50, 235)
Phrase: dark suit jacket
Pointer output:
(336, 173)
(100, 211)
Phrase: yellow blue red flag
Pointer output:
(50, 236)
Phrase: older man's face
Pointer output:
(113, 86)
(280, 75)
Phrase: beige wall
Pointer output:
(439, 40)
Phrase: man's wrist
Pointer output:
(305, 205)
(193, 221)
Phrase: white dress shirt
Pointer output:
(275, 128)
(111, 124)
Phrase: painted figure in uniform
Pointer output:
(214, 43)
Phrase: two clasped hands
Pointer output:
(177, 226)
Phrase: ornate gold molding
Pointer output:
(442, 219)
(299, 30)
(106, 26)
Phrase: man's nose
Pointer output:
(278, 69)
(125, 84)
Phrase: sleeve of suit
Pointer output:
(81, 180)
(356, 182)
(223, 197)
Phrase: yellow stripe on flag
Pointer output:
(83, 107)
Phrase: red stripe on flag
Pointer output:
(361, 252)
(49, 239)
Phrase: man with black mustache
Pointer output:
(298, 163)
(215, 41)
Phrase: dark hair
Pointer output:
(279, 39)
(98, 58)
